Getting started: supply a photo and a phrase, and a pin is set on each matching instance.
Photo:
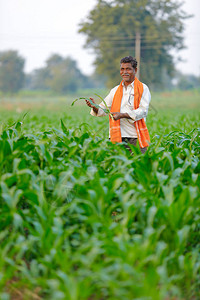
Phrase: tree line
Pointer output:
(111, 29)
(60, 75)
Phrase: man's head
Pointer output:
(128, 69)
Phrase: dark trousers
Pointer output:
(132, 141)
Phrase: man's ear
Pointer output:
(135, 70)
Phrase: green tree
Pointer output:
(36, 80)
(11, 71)
(111, 29)
(61, 75)
(64, 75)
(187, 82)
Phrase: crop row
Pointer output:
(81, 218)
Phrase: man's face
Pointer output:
(127, 73)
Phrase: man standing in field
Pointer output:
(128, 103)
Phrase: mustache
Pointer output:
(125, 74)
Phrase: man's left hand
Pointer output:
(116, 115)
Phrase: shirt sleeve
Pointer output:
(142, 110)
(108, 100)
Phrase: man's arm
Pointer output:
(139, 113)
(142, 110)
(99, 112)
(118, 115)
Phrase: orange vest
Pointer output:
(140, 125)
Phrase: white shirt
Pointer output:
(127, 106)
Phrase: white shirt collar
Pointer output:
(132, 84)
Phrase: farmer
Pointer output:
(128, 104)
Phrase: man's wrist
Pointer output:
(124, 115)
(95, 109)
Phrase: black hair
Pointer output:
(129, 59)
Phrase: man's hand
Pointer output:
(89, 104)
(118, 115)
(92, 106)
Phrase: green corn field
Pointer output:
(83, 219)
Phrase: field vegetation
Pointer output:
(83, 219)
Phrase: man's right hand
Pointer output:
(92, 106)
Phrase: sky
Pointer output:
(39, 28)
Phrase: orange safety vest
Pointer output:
(140, 125)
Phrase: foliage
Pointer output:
(81, 218)
(187, 82)
(60, 75)
(111, 29)
(36, 80)
(106, 109)
(11, 72)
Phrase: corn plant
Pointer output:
(81, 218)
